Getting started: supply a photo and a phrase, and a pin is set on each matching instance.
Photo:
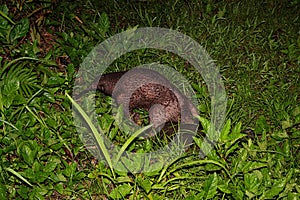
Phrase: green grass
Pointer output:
(256, 46)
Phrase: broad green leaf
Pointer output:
(253, 181)
(235, 136)
(210, 186)
(70, 169)
(59, 188)
(133, 164)
(20, 29)
(50, 166)
(28, 151)
(280, 135)
(9, 91)
(5, 23)
(79, 176)
(55, 81)
(38, 193)
(146, 185)
(40, 176)
(261, 125)
(286, 124)
(224, 188)
(251, 165)
(276, 188)
(120, 192)
(58, 178)
(3, 191)
(153, 169)
(23, 191)
(238, 192)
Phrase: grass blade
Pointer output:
(96, 134)
(18, 175)
(128, 142)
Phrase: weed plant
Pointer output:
(256, 47)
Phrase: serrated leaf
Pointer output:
(205, 124)
(104, 24)
(226, 130)
(198, 141)
(237, 128)
(4, 9)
